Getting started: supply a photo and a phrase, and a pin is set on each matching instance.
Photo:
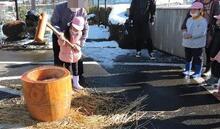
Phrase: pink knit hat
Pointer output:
(197, 5)
(78, 23)
(217, 17)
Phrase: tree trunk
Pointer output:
(33, 5)
(53, 3)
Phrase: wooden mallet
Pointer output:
(41, 28)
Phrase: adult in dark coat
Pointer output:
(142, 12)
(214, 49)
(211, 8)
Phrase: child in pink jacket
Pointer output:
(70, 56)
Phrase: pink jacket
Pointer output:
(67, 54)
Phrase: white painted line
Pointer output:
(9, 90)
(25, 62)
(9, 78)
(91, 62)
(40, 63)
(96, 63)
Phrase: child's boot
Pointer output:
(198, 70)
(76, 83)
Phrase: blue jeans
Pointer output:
(194, 55)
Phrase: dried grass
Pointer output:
(88, 111)
(13, 84)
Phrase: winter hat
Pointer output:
(197, 5)
(78, 23)
(217, 17)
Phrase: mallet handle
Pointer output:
(58, 34)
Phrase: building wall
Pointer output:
(166, 32)
(159, 2)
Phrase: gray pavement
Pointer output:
(173, 102)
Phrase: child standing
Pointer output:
(194, 40)
(71, 56)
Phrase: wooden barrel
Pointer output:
(47, 92)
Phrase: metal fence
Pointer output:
(166, 32)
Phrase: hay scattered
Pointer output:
(13, 84)
(88, 111)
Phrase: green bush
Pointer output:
(101, 15)
(93, 10)
(22, 11)
(116, 32)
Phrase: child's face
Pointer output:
(195, 12)
(74, 31)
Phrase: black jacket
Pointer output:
(215, 47)
(142, 10)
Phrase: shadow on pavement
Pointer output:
(167, 90)
(182, 122)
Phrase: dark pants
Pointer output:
(212, 48)
(142, 35)
(194, 54)
(56, 50)
(73, 67)
(208, 61)
(58, 62)
(215, 69)
(213, 51)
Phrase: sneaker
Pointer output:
(217, 84)
(207, 69)
(196, 76)
(211, 81)
(151, 56)
(138, 54)
(190, 73)
(206, 73)
(199, 80)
